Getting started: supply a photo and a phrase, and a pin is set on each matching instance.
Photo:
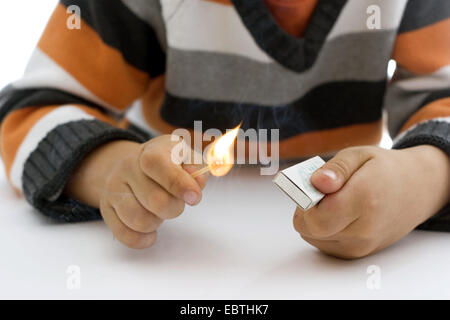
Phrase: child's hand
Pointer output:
(136, 187)
(374, 198)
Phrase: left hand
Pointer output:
(374, 197)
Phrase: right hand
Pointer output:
(143, 188)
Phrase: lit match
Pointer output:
(219, 157)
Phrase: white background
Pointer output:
(21, 24)
(239, 243)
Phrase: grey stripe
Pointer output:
(232, 78)
(151, 12)
(400, 105)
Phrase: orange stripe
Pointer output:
(330, 141)
(224, 2)
(97, 66)
(437, 109)
(425, 50)
(17, 124)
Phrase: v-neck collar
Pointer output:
(298, 54)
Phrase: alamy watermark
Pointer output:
(73, 281)
(373, 22)
(374, 280)
(73, 22)
(252, 147)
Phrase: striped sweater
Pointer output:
(138, 68)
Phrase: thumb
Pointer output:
(333, 175)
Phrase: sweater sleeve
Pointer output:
(418, 98)
(72, 98)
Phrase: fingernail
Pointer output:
(329, 173)
(191, 197)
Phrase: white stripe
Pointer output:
(434, 81)
(38, 132)
(400, 136)
(354, 16)
(208, 26)
(42, 71)
(137, 118)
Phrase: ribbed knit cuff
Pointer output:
(50, 165)
(436, 133)
(433, 132)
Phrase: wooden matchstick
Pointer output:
(200, 172)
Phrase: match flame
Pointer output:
(220, 155)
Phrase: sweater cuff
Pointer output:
(50, 165)
(436, 133)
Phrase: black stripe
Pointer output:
(420, 13)
(435, 95)
(139, 132)
(13, 99)
(325, 107)
(294, 53)
(120, 28)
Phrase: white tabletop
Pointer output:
(239, 243)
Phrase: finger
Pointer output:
(127, 236)
(300, 224)
(202, 179)
(329, 247)
(194, 163)
(333, 214)
(156, 163)
(333, 175)
(341, 249)
(131, 212)
(154, 198)
(307, 229)
(367, 203)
